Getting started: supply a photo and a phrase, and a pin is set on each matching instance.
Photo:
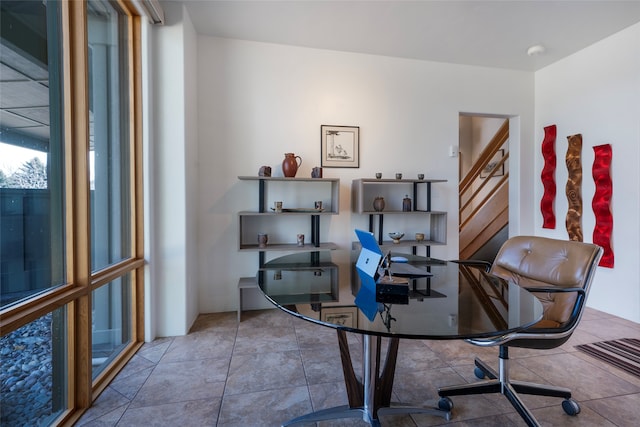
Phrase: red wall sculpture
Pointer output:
(602, 201)
(548, 177)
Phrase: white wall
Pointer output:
(596, 92)
(191, 169)
(257, 101)
(174, 173)
(148, 114)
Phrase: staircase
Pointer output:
(484, 198)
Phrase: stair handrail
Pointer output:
(498, 140)
(479, 206)
(488, 153)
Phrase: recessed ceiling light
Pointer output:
(534, 50)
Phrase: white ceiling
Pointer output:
(484, 33)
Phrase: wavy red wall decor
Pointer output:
(548, 177)
(602, 201)
(574, 187)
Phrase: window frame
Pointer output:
(75, 294)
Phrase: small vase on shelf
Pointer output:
(406, 204)
(378, 204)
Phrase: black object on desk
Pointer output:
(473, 305)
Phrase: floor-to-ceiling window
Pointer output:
(70, 204)
(109, 177)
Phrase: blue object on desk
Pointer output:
(366, 298)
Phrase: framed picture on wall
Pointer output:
(340, 146)
(484, 173)
(342, 315)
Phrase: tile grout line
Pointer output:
(226, 378)
(304, 369)
(155, 366)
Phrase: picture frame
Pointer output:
(346, 315)
(484, 173)
(340, 146)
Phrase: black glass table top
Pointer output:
(453, 301)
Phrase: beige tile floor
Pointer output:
(272, 367)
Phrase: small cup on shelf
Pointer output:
(398, 176)
(420, 176)
(378, 175)
(264, 171)
(419, 237)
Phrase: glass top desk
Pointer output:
(452, 301)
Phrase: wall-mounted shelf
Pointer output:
(298, 195)
(296, 189)
(365, 190)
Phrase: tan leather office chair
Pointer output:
(559, 273)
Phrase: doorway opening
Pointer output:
(483, 185)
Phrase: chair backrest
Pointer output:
(539, 262)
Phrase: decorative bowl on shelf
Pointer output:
(396, 236)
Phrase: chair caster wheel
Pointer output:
(479, 373)
(445, 404)
(570, 407)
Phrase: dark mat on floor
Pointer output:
(623, 353)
